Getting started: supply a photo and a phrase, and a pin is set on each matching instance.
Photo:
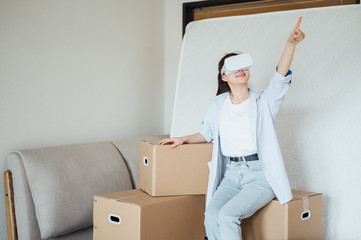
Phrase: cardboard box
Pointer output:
(166, 171)
(298, 219)
(134, 215)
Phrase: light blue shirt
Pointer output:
(262, 117)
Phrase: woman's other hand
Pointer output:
(297, 35)
(174, 141)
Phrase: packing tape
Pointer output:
(306, 214)
(305, 203)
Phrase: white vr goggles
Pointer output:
(235, 63)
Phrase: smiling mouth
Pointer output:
(241, 75)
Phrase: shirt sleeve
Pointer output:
(276, 91)
(206, 129)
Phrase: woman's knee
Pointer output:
(227, 217)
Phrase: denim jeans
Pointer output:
(243, 190)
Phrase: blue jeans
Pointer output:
(243, 190)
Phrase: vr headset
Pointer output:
(235, 63)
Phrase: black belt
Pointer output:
(253, 157)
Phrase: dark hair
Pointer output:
(222, 85)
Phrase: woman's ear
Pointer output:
(224, 77)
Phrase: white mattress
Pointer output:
(319, 125)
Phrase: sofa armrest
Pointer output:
(27, 224)
(10, 208)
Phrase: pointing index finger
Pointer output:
(298, 24)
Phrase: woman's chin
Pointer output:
(242, 82)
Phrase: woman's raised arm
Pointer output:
(286, 59)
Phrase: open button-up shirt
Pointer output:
(264, 107)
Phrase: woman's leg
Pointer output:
(255, 194)
(226, 191)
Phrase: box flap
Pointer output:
(136, 197)
(154, 142)
(299, 194)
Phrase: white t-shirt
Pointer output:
(235, 130)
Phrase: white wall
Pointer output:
(78, 71)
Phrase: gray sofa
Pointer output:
(53, 187)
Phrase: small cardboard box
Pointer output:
(166, 171)
(299, 219)
(134, 215)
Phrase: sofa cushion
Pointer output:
(64, 179)
(83, 234)
(27, 224)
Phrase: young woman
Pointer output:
(247, 169)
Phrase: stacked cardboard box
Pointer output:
(135, 215)
(166, 171)
(299, 219)
(171, 202)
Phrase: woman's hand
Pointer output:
(174, 141)
(297, 35)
